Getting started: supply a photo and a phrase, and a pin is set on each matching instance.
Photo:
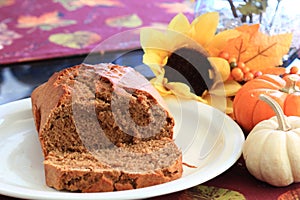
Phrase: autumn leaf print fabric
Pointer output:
(36, 30)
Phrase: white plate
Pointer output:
(209, 140)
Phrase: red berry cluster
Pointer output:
(293, 70)
(239, 71)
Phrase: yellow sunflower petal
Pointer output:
(221, 68)
(151, 38)
(159, 83)
(180, 23)
(160, 77)
(154, 61)
(160, 87)
(156, 69)
(182, 90)
(154, 41)
(229, 107)
(204, 27)
(216, 101)
(229, 88)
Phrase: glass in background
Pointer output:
(278, 16)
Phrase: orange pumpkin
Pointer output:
(248, 110)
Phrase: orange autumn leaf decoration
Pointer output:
(258, 50)
(47, 21)
(274, 70)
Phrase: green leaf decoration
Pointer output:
(253, 7)
(76, 40)
(203, 192)
(72, 5)
(49, 27)
(127, 21)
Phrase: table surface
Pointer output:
(26, 61)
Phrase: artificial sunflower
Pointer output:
(180, 57)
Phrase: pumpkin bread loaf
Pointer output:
(104, 128)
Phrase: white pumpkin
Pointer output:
(272, 149)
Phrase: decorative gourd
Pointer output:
(271, 150)
(249, 110)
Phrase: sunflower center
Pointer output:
(191, 67)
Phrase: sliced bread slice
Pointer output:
(128, 167)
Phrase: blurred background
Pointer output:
(38, 38)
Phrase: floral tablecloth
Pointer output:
(35, 29)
